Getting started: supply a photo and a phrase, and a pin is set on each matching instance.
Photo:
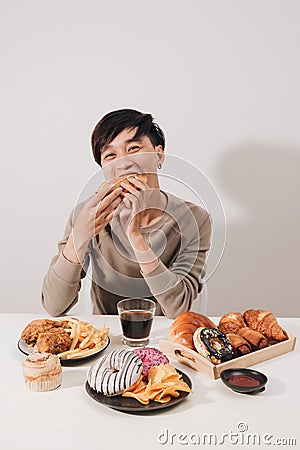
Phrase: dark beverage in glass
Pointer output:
(136, 317)
(136, 324)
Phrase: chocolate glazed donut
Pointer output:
(214, 344)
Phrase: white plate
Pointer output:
(27, 350)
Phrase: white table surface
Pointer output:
(68, 418)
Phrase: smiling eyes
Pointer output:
(134, 148)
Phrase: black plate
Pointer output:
(129, 404)
(259, 376)
(27, 350)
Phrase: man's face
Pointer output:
(126, 155)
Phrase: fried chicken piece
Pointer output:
(31, 332)
(54, 341)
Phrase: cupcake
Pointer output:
(42, 371)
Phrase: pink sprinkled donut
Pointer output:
(150, 357)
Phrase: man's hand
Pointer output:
(135, 202)
(94, 216)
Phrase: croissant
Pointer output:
(256, 339)
(239, 344)
(184, 326)
(232, 322)
(265, 322)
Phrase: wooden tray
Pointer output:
(197, 362)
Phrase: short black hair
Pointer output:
(115, 122)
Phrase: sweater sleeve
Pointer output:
(62, 282)
(177, 286)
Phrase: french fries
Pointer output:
(86, 339)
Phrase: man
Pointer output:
(140, 240)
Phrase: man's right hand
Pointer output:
(92, 219)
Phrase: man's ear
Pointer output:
(160, 154)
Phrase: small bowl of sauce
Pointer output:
(244, 381)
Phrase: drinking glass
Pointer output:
(136, 316)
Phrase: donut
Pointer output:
(213, 344)
(150, 357)
(115, 372)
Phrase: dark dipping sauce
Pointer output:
(137, 324)
(243, 380)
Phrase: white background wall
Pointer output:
(222, 80)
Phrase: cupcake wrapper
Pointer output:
(46, 385)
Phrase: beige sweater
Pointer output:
(180, 239)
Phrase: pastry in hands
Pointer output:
(117, 181)
(256, 339)
(240, 345)
(265, 322)
(232, 322)
(184, 326)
